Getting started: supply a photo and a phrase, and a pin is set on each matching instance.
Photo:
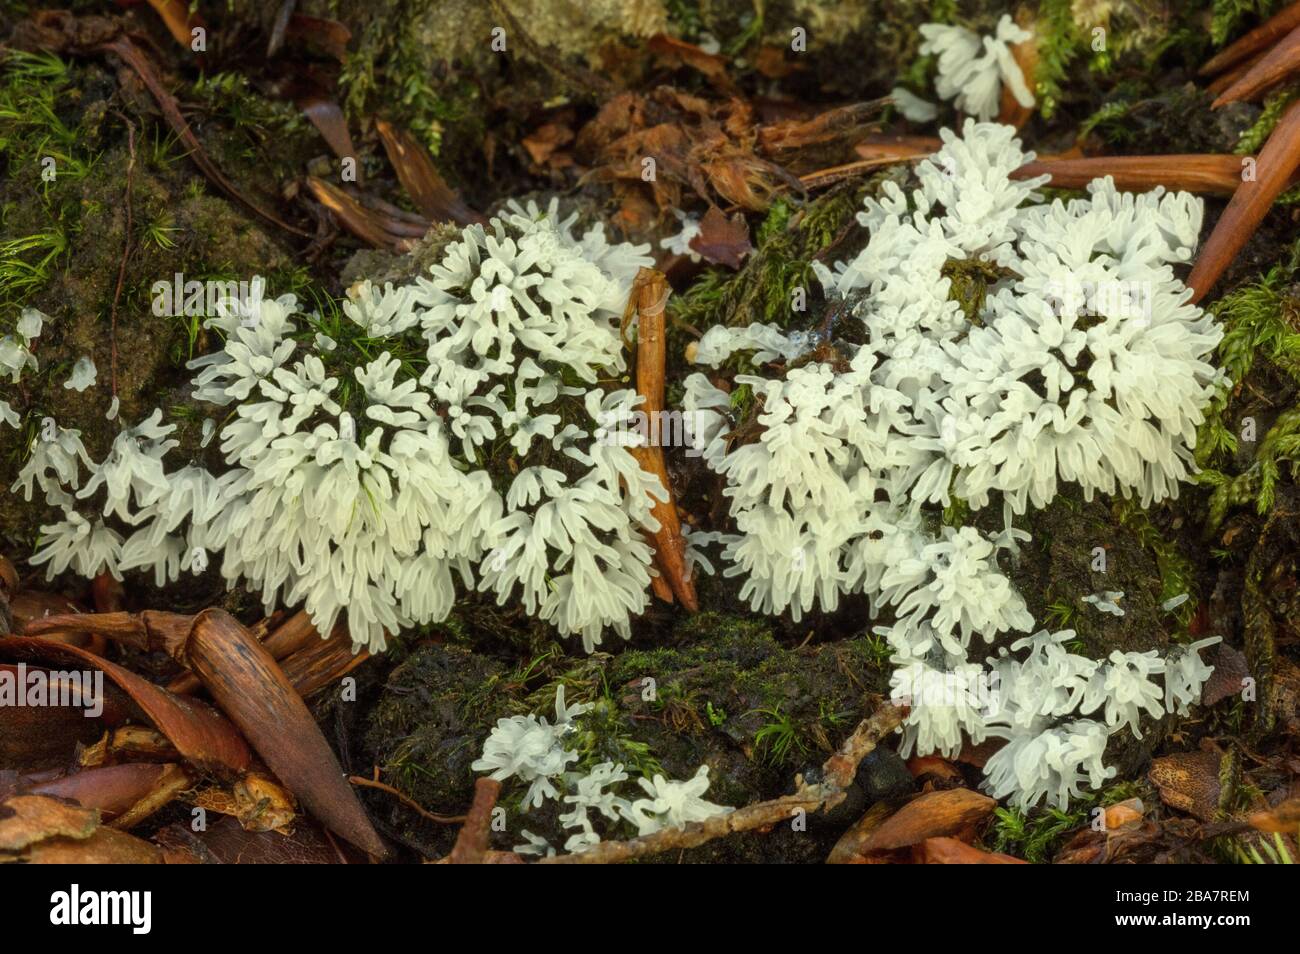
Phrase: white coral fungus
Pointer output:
(357, 475)
(532, 750)
(1082, 361)
(973, 69)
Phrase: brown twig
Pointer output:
(410, 803)
(1277, 162)
(126, 253)
(838, 773)
(1256, 40)
(647, 302)
(1279, 63)
(136, 59)
(472, 843)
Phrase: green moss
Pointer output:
(1253, 138)
(1177, 573)
(1059, 43)
(1228, 15)
(789, 239)
(1037, 834)
(1261, 342)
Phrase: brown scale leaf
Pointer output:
(932, 815)
(723, 240)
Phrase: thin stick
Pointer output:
(838, 771)
(126, 252)
(472, 843)
(410, 803)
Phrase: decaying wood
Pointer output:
(647, 303)
(838, 774)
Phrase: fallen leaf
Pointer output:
(1010, 112)
(950, 851)
(922, 766)
(1126, 814)
(1283, 818)
(374, 228)
(201, 735)
(931, 815)
(33, 738)
(771, 62)
(543, 141)
(421, 179)
(850, 849)
(677, 52)
(28, 819)
(327, 116)
(1189, 782)
(179, 19)
(722, 240)
(117, 791)
(1230, 669)
(250, 687)
(328, 36)
(226, 843)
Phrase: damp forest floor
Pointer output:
(750, 126)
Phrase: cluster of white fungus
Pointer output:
(16, 357)
(532, 750)
(1081, 362)
(357, 472)
(357, 455)
(972, 68)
